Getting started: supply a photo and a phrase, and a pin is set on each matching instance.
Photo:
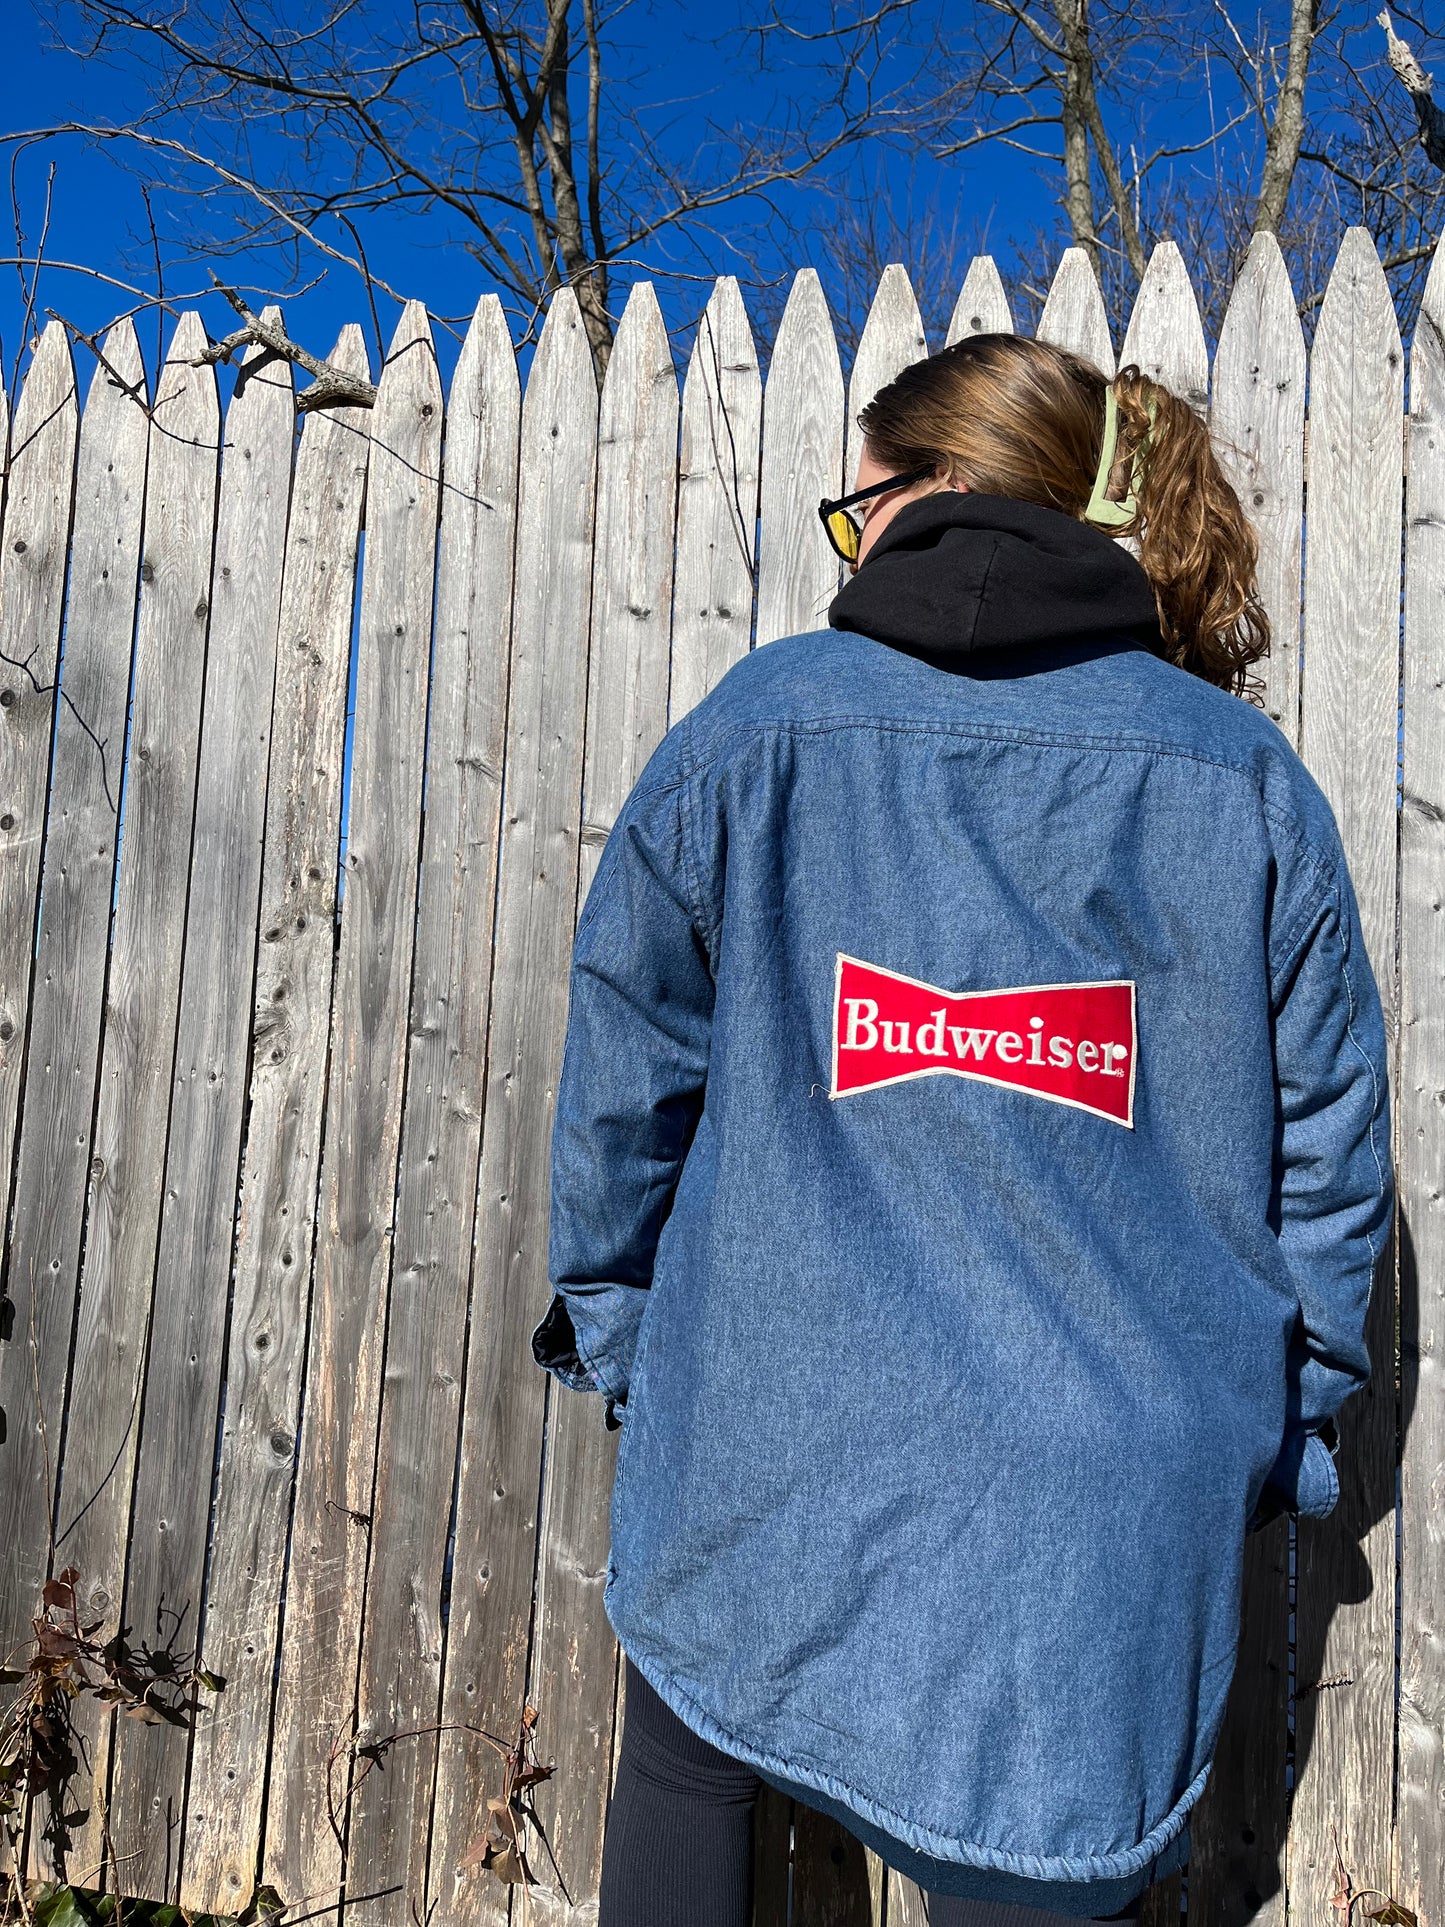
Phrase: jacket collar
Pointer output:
(957, 576)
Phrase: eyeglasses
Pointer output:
(845, 531)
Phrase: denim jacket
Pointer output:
(969, 1168)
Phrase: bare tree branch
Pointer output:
(331, 387)
(1418, 86)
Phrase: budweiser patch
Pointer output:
(1071, 1043)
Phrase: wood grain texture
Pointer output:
(1074, 315)
(892, 337)
(1165, 335)
(573, 1646)
(332, 1519)
(717, 501)
(277, 1224)
(142, 996)
(441, 1125)
(1345, 1621)
(1419, 1865)
(53, 1154)
(74, 924)
(486, 1672)
(837, 1881)
(1257, 425)
(165, 1570)
(906, 1905)
(35, 1334)
(798, 573)
(982, 307)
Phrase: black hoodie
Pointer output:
(962, 576)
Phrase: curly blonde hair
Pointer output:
(1012, 416)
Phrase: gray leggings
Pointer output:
(678, 1851)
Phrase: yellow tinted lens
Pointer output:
(844, 531)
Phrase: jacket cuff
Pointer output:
(1303, 1479)
(588, 1345)
(1318, 1487)
(554, 1346)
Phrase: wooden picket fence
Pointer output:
(276, 1118)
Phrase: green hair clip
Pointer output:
(1101, 510)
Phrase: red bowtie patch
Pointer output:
(1072, 1043)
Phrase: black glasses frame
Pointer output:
(828, 508)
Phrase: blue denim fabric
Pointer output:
(945, 1408)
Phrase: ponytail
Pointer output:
(1196, 546)
(1013, 416)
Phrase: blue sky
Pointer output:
(993, 198)
(98, 215)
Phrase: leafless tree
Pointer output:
(521, 131)
(1294, 126)
(510, 126)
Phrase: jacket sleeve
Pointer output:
(634, 1067)
(1335, 1192)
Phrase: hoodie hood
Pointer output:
(957, 575)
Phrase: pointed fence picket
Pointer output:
(1420, 1156)
(982, 307)
(717, 501)
(494, 1568)
(276, 1224)
(177, 1421)
(38, 1306)
(573, 1651)
(142, 999)
(326, 1454)
(1345, 1634)
(402, 1655)
(53, 1161)
(798, 573)
(1165, 335)
(1074, 316)
(333, 1516)
(892, 337)
(1257, 421)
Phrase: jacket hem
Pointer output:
(915, 1833)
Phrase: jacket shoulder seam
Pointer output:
(688, 838)
(1044, 739)
(1326, 877)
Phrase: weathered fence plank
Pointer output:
(717, 501)
(1344, 1729)
(333, 1516)
(1257, 418)
(40, 485)
(573, 1648)
(1074, 316)
(982, 307)
(1419, 1865)
(798, 573)
(142, 997)
(165, 1570)
(892, 337)
(277, 1223)
(496, 1513)
(441, 1124)
(1165, 335)
(78, 873)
